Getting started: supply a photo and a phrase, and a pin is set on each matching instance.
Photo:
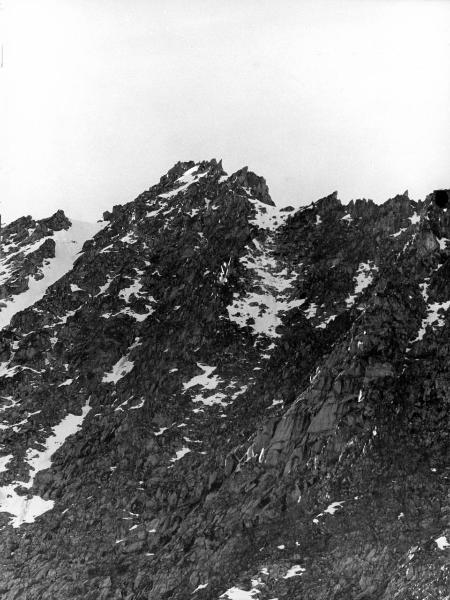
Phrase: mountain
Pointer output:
(206, 396)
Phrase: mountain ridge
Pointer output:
(236, 380)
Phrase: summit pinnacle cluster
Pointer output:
(206, 396)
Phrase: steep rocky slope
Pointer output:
(216, 398)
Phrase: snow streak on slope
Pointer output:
(134, 289)
(434, 310)
(236, 593)
(180, 454)
(68, 245)
(363, 279)
(294, 571)
(266, 216)
(262, 307)
(207, 382)
(13, 251)
(122, 367)
(331, 509)
(4, 460)
(24, 509)
(442, 542)
(187, 179)
(205, 379)
(433, 318)
(270, 295)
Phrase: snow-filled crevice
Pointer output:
(434, 311)
(434, 317)
(363, 278)
(122, 367)
(25, 509)
(270, 295)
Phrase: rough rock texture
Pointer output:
(223, 396)
(26, 244)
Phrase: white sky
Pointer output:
(99, 98)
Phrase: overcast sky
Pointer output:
(101, 97)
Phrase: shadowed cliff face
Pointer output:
(206, 396)
(441, 198)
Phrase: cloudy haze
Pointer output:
(100, 98)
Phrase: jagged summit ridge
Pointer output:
(217, 396)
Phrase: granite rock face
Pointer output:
(205, 396)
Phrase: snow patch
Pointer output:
(140, 405)
(66, 382)
(122, 367)
(212, 400)
(6, 370)
(40, 460)
(235, 593)
(333, 507)
(433, 317)
(205, 380)
(363, 278)
(128, 238)
(330, 510)
(24, 509)
(275, 403)
(311, 311)
(325, 323)
(202, 586)
(294, 571)
(160, 431)
(4, 460)
(133, 289)
(399, 232)
(180, 454)
(187, 179)
(442, 542)
(35, 246)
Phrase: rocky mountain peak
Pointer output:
(257, 185)
(213, 167)
(56, 222)
(328, 203)
(206, 396)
